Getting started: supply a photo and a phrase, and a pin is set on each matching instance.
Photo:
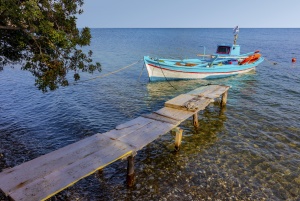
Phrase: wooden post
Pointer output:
(222, 111)
(130, 171)
(195, 120)
(100, 172)
(224, 99)
(178, 137)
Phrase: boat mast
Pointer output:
(235, 33)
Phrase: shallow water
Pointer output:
(248, 151)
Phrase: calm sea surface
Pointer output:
(248, 151)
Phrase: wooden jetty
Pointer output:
(49, 174)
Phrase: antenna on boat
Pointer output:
(235, 33)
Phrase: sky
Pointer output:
(190, 14)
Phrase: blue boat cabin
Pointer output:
(230, 50)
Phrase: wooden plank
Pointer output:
(147, 134)
(161, 118)
(58, 179)
(194, 103)
(38, 167)
(211, 91)
(179, 101)
(197, 103)
(128, 127)
(159, 112)
(203, 91)
(180, 115)
(217, 92)
(137, 122)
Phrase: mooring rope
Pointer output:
(141, 72)
(165, 76)
(110, 73)
(271, 62)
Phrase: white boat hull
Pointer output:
(156, 73)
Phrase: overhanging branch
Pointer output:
(9, 27)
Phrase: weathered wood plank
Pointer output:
(197, 99)
(177, 114)
(217, 92)
(194, 103)
(202, 91)
(147, 134)
(211, 91)
(197, 103)
(137, 122)
(38, 167)
(128, 127)
(161, 118)
(58, 179)
(179, 101)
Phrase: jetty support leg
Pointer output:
(178, 137)
(130, 171)
(100, 171)
(195, 120)
(224, 99)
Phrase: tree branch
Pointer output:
(9, 27)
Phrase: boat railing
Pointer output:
(204, 50)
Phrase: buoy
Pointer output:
(293, 60)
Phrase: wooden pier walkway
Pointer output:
(49, 174)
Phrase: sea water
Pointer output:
(249, 150)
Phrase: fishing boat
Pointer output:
(227, 61)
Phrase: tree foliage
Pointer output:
(42, 35)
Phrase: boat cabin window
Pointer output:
(223, 50)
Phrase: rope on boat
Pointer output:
(141, 72)
(110, 73)
(165, 76)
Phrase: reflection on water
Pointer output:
(165, 89)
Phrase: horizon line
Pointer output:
(190, 27)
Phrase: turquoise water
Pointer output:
(248, 151)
